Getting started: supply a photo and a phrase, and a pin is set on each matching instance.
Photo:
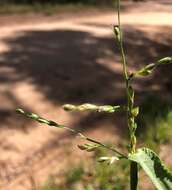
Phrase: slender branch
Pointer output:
(39, 119)
(107, 147)
(130, 105)
(121, 42)
(148, 69)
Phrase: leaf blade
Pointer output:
(152, 165)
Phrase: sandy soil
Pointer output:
(46, 61)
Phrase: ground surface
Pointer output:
(48, 61)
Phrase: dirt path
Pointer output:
(54, 60)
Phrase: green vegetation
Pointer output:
(136, 157)
(51, 7)
(56, 1)
(156, 121)
(47, 9)
(92, 175)
(156, 131)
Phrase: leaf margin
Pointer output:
(160, 176)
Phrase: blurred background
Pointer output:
(54, 52)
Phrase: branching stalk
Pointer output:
(39, 119)
(131, 112)
(130, 105)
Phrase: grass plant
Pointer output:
(143, 157)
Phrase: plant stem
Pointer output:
(107, 147)
(121, 43)
(130, 105)
(133, 175)
(51, 123)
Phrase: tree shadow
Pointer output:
(69, 66)
(61, 64)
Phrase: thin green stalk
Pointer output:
(39, 119)
(107, 147)
(121, 42)
(130, 105)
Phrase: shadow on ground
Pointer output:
(73, 66)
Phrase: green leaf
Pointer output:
(152, 165)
